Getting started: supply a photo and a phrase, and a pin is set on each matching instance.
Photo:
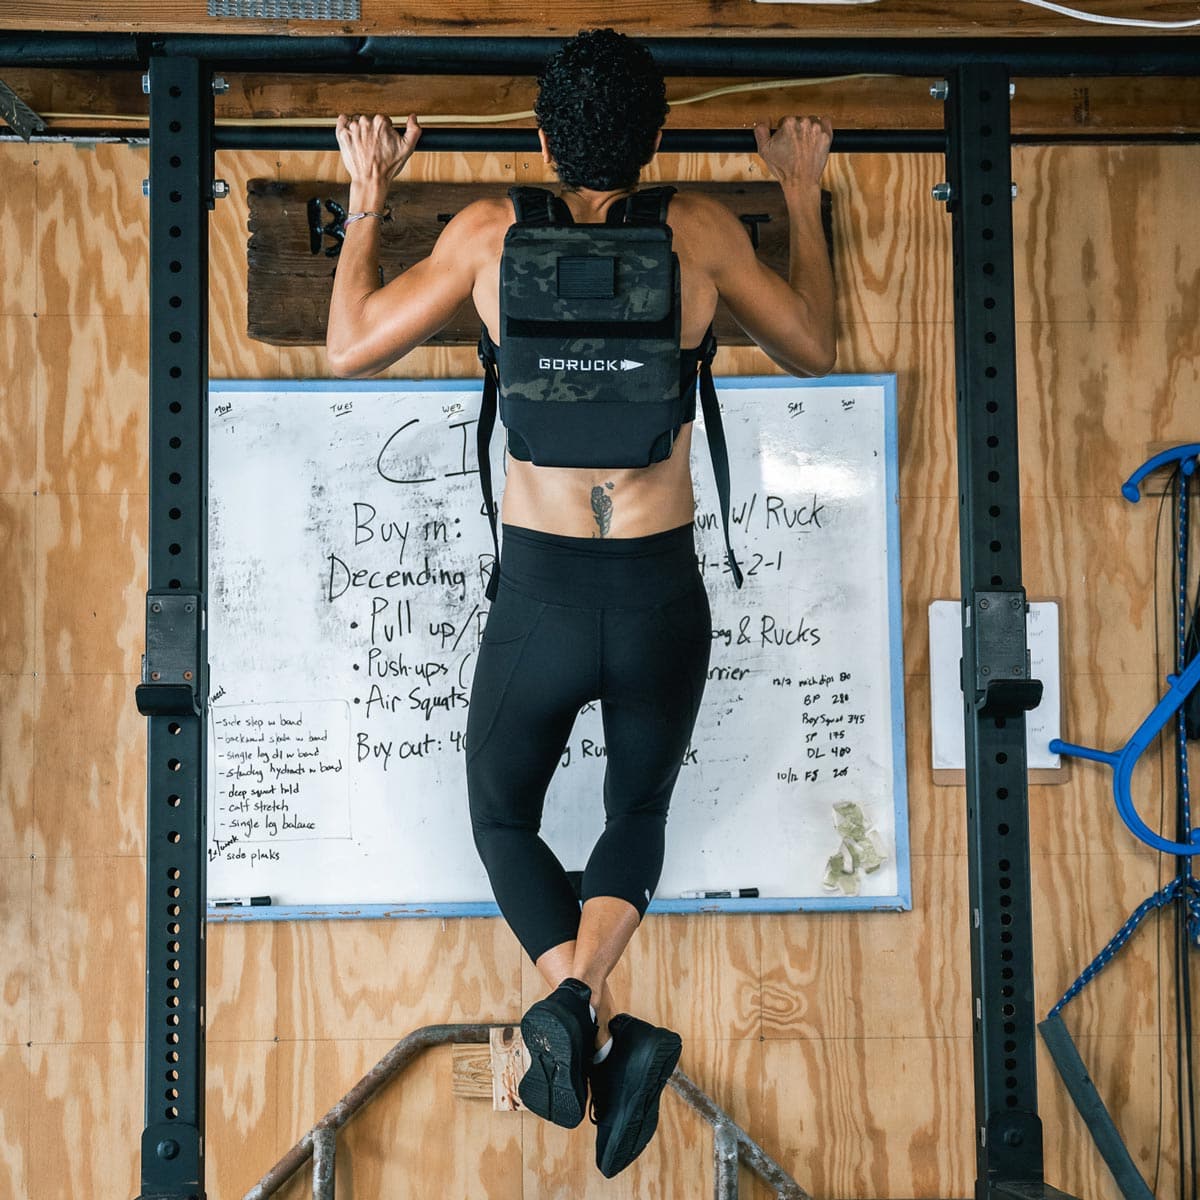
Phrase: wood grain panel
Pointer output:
(1080, 817)
(85, 1120)
(514, 19)
(874, 1117)
(88, 976)
(696, 974)
(937, 816)
(1096, 396)
(18, 216)
(17, 582)
(93, 256)
(386, 978)
(93, 403)
(18, 381)
(1079, 902)
(17, 719)
(16, 950)
(1094, 231)
(1125, 1069)
(415, 1139)
(893, 261)
(243, 983)
(90, 775)
(921, 356)
(872, 974)
(231, 354)
(881, 1106)
(240, 1119)
(91, 584)
(1098, 555)
(928, 571)
(14, 1120)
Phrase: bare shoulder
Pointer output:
(477, 231)
(705, 228)
(702, 212)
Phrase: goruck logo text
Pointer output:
(588, 364)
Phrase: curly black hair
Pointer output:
(601, 100)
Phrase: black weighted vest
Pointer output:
(589, 371)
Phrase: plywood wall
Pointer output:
(841, 1041)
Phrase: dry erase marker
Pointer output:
(731, 894)
(241, 902)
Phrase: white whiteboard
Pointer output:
(348, 555)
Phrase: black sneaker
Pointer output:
(560, 1036)
(626, 1088)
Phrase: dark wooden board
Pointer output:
(291, 273)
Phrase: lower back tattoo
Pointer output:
(602, 507)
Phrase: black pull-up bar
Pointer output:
(748, 56)
(674, 141)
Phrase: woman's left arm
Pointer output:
(371, 327)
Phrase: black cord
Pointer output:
(1183, 988)
(1185, 897)
(1162, 816)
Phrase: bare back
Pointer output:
(639, 500)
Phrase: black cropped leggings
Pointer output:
(624, 621)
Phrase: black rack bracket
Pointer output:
(173, 677)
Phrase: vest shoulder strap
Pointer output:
(646, 207)
(538, 206)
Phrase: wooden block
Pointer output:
(292, 248)
(471, 1071)
(509, 1062)
(491, 1072)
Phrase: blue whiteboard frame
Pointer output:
(900, 902)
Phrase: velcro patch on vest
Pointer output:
(587, 278)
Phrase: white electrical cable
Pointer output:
(1138, 22)
(1078, 14)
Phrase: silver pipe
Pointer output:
(388, 1067)
(725, 1162)
(324, 1148)
(750, 1152)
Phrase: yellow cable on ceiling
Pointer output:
(761, 85)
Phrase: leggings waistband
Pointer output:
(632, 572)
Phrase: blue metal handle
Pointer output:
(1186, 456)
(1124, 761)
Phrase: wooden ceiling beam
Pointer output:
(1041, 106)
(681, 18)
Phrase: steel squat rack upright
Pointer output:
(971, 77)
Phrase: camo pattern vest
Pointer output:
(589, 371)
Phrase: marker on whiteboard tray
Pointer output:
(729, 894)
(241, 902)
